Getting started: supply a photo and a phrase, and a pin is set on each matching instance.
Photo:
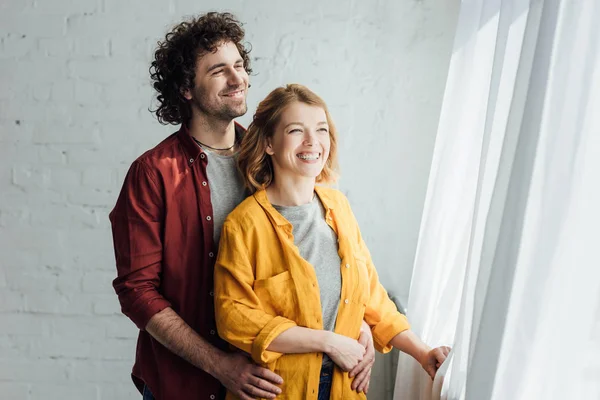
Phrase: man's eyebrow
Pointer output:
(215, 66)
(219, 65)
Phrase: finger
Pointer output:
(365, 384)
(359, 367)
(264, 385)
(267, 374)
(368, 384)
(242, 395)
(359, 380)
(258, 392)
(363, 339)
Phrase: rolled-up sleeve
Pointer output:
(241, 320)
(136, 225)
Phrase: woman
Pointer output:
(294, 279)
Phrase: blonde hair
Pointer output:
(253, 162)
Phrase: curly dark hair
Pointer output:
(173, 68)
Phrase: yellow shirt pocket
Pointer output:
(277, 295)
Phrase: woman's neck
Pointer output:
(291, 192)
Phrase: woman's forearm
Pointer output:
(410, 343)
(300, 340)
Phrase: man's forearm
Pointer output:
(299, 340)
(170, 330)
(410, 343)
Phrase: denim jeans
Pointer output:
(325, 382)
(147, 394)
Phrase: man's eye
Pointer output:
(295, 130)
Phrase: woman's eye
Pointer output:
(295, 130)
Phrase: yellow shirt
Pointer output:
(263, 287)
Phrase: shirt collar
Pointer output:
(263, 201)
(192, 150)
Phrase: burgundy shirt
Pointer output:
(163, 238)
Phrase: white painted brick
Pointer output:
(17, 45)
(92, 47)
(14, 217)
(114, 349)
(44, 391)
(91, 328)
(64, 177)
(119, 391)
(52, 155)
(58, 348)
(93, 197)
(88, 93)
(36, 370)
(30, 177)
(15, 391)
(46, 134)
(67, 7)
(11, 301)
(55, 47)
(24, 324)
(100, 371)
(99, 282)
(52, 302)
(30, 23)
(63, 92)
(101, 178)
(121, 327)
(106, 304)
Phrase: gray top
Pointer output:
(318, 245)
(226, 188)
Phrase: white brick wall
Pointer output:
(74, 94)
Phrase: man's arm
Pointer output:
(235, 371)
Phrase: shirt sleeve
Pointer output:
(381, 313)
(240, 318)
(137, 221)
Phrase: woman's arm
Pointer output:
(344, 351)
(430, 359)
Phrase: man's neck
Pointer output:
(212, 132)
(290, 191)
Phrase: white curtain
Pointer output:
(507, 269)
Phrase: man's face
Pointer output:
(221, 84)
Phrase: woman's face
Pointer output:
(300, 144)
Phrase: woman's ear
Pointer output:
(269, 148)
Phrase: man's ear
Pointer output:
(187, 93)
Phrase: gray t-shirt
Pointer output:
(318, 245)
(226, 188)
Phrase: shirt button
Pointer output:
(347, 265)
(346, 301)
(204, 183)
(202, 156)
(212, 396)
(211, 254)
(191, 160)
(212, 332)
(208, 218)
(212, 294)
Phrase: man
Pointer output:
(167, 220)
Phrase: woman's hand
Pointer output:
(345, 352)
(433, 359)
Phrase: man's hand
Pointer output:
(245, 379)
(433, 359)
(363, 370)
